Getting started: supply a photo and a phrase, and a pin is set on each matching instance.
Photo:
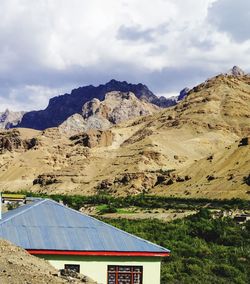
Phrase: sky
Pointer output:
(49, 47)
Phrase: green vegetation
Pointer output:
(103, 209)
(146, 201)
(11, 206)
(203, 250)
(109, 208)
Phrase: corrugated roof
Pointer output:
(48, 225)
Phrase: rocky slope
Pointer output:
(10, 119)
(12, 141)
(221, 174)
(94, 138)
(115, 108)
(69, 104)
(191, 150)
(17, 266)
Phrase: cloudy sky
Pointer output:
(48, 47)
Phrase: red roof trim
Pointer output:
(98, 253)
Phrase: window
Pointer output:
(124, 274)
(74, 267)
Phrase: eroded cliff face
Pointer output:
(12, 141)
(94, 138)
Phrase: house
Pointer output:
(70, 239)
(13, 198)
(241, 218)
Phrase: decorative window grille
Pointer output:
(124, 274)
(74, 267)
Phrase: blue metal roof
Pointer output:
(48, 225)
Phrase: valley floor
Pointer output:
(208, 245)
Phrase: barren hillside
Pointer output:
(190, 150)
(17, 266)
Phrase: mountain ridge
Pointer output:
(192, 149)
(68, 104)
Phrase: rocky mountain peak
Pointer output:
(120, 95)
(236, 71)
(10, 118)
(4, 115)
(116, 83)
(116, 107)
(67, 105)
(183, 94)
(7, 111)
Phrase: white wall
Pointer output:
(96, 267)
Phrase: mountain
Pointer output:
(197, 148)
(62, 107)
(183, 94)
(115, 108)
(236, 71)
(10, 119)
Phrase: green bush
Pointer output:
(108, 209)
(214, 255)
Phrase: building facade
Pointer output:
(111, 269)
(69, 239)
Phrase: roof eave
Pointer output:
(98, 253)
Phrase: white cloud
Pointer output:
(54, 44)
(232, 17)
(62, 33)
(26, 97)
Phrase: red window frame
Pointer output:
(115, 271)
